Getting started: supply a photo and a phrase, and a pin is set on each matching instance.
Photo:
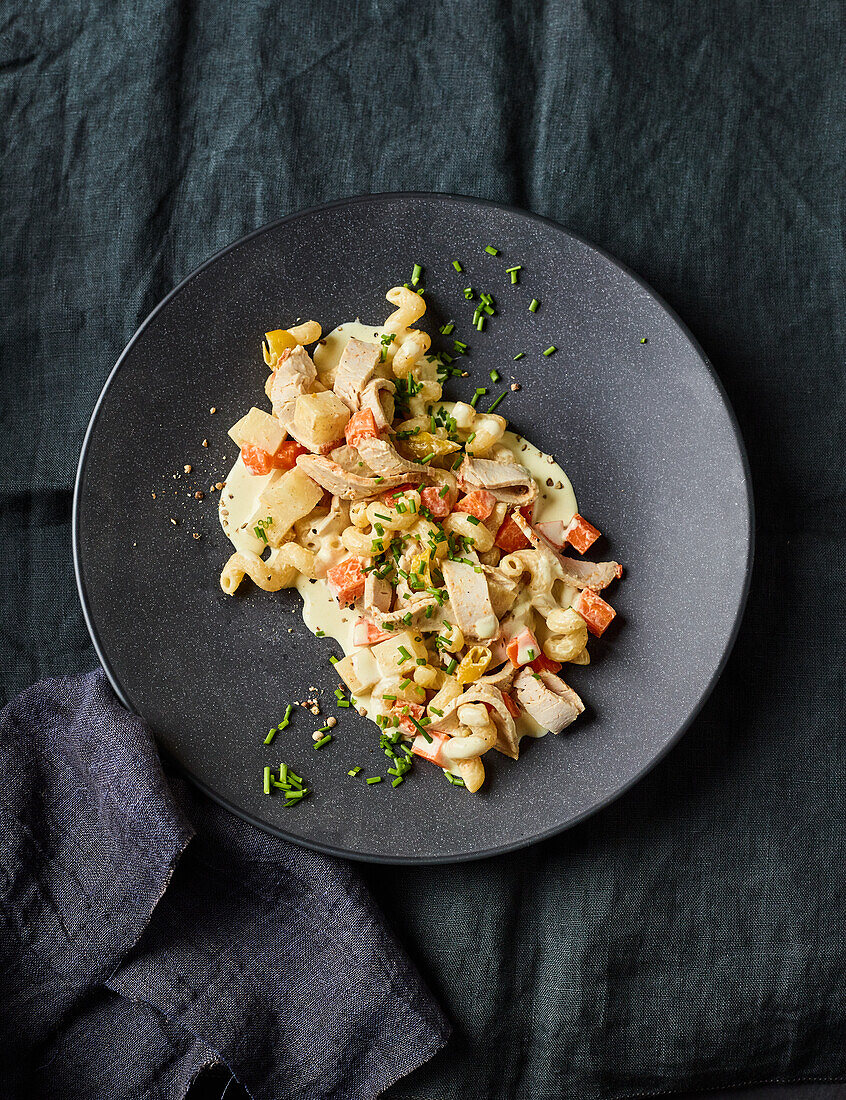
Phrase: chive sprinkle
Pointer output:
(480, 324)
(270, 735)
(447, 328)
(287, 717)
(520, 355)
(501, 397)
(267, 780)
(323, 741)
(491, 251)
(354, 771)
(474, 520)
(457, 265)
(415, 274)
(374, 779)
(495, 375)
(533, 305)
(468, 292)
(551, 350)
(643, 339)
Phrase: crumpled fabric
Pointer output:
(148, 934)
(690, 936)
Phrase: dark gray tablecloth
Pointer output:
(692, 935)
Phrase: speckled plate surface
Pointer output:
(643, 429)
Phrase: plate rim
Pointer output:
(641, 773)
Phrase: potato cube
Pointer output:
(358, 671)
(258, 429)
(394, 663)
(290, 498)
(319, 419)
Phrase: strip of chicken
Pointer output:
(343, 483)
(552, 703)
(507, 481)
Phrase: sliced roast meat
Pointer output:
(471, 600)
(383, 457)
(378, 396)
(377, 593)
(344, 483)
(507, 481)
(358, 364)
(295, 375)
(545, 696)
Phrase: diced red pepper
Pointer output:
(390, 496)
(258, 461)
(368, 633)
(346, 580)
(431, 750)
(523, 648)
(509, 537)
(580, 534)
(480, 503)
(594, 610)
(439, 506)
(361, 425)
(545, 664)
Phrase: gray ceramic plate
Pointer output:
(643, 429)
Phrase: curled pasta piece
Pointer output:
(358, 514)
(489, 429)
(291, 553)
(450, 639)
(410, 350)
(357, 542)
(306, 333)
(390, 518)
(268, 575)
(568, 634)
(472, 772)
(473, 664)
(410, 308)
(459, 523)
(280, 339)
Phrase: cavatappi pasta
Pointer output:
(431, 524)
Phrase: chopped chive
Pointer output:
(287, 717)
(495, 375)
(320, 633)
(491, 251)
(551, 350)
(260, 533)
(533, 305)
(480, 324)
(459, 346)
(267, 780)
(473, 520)
(333, 659)
(457, 265)
(420, 661)
(435, 710)
(643, 339)
(494, 405)
(396, 782)
(468, 292)
(374, 779)
(323, 741)
(283, 774)
(415, 274)
(404, 655)
(354, 771)
(451, 667)
(270, 735)
(443, 492)
(447, 328)
(520, 355)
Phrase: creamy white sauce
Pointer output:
(240, 512)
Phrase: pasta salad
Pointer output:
(431, 542)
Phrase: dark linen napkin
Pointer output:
(147, 934)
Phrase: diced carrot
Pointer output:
(361, 425)
(439, 506)
(512, 706)
(509, 537)
(415, 710)
(480, 503)
(594, 610)
(523, 648)
(392, 494)
(545, 664)
(287, 455)
(258, 461)
(431, 750)
(346, 580)
(368, 633)
(580, 534)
